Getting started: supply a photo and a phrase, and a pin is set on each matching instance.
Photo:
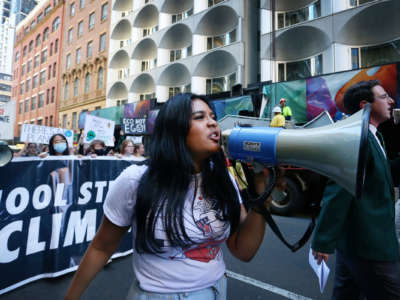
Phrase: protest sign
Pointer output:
(7, 119)
(50, 215)
(99, 129)
(42, 134)
(133, 125)
(135, 139)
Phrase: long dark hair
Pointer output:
(51, 147)
(161, 195)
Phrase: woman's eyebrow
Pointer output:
(198, 111)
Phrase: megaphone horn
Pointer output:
(337, 151)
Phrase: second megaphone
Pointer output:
(336, 151)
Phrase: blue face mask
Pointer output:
(60, 147)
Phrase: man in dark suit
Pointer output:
(363, 231)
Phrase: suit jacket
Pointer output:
(363, 228)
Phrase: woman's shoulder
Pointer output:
(133, 172)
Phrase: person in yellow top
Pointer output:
(286, 111)
(278, 120)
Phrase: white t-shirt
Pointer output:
(177, 269)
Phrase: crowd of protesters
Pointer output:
(58, 146)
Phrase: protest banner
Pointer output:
(7, 119)
(49, 215)
(133, 126)
(99, 129)
(41, 134)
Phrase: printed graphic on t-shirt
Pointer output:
(204, 225)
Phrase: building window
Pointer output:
(37, 43)
(89, 50)
(22, 88)
(81, 4)
(68, 62)
(78, 56)
(56, 46)
(147, 96)
(285, 19)
(47, 10)
(23, 70)
(21, 107)
(27, 85)
(41, 100)
(220, 84)
(87, 83)
(34, 82)
(40, 17)
(43, 56)
(54, 69)
(91, 20)
(36, 61)
(30, 46)
(355, 58)
(56, 24)
(33, 103)
(42, 77)
(354, 3)
(24, 51)
(26, 105)
(104, 11)
(16, 56)
(300, 69)
(47, 96)
(70, 32)
(72, 10)
(46, 34)
(80, 28)
(74, 119)
(53, 91)
(51, 121)
(102, 42)
(46, 121)
(51, 49)
(64, 121)
(214, 2)
(76, 87)
(49, 73)
(66, 91)
(221, 40)
(100, 77)
(379, 54)
(29, 65)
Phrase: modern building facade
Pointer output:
(5, 87)
(37, 56)
(304, 38)
(7, 31)
(84, 59)
(163, 47)
(21, 8)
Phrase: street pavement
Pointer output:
(274, 274)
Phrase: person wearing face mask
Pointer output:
(58, 146)
(97, 148)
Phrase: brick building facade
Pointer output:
(84, 59)
(37, 53)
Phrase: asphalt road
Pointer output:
(275, 273)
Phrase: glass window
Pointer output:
(26, 105)
(80, 28)
(72, 10)
(23, 70)
(35, 81)
(298, 69)
(53, 91)
(281, 72)
(37, 40)
(81, 4)
(51, 121)
(87, 83)
(42, 77)
(100, 76)
(40, 17)
(20, 109)
(33, 103)
(380, 54)
(68, 62)
(41, 100)
(16, 56)
(91, 20)
(24, 51)
(44, 56)
(64, 121)
(66, 91)
(54, 69)
(22, 88)
(46, 34)
(27, 85)
(47, 10)
(74, 119)
(78, 56)
(76, 87)
(102, 42)
(30, 46)
(36, 61)
(56, 24)
(70, 32)
(89, 50)
(56, 46)
(47, 96)
(104, 11)
(49, 73)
